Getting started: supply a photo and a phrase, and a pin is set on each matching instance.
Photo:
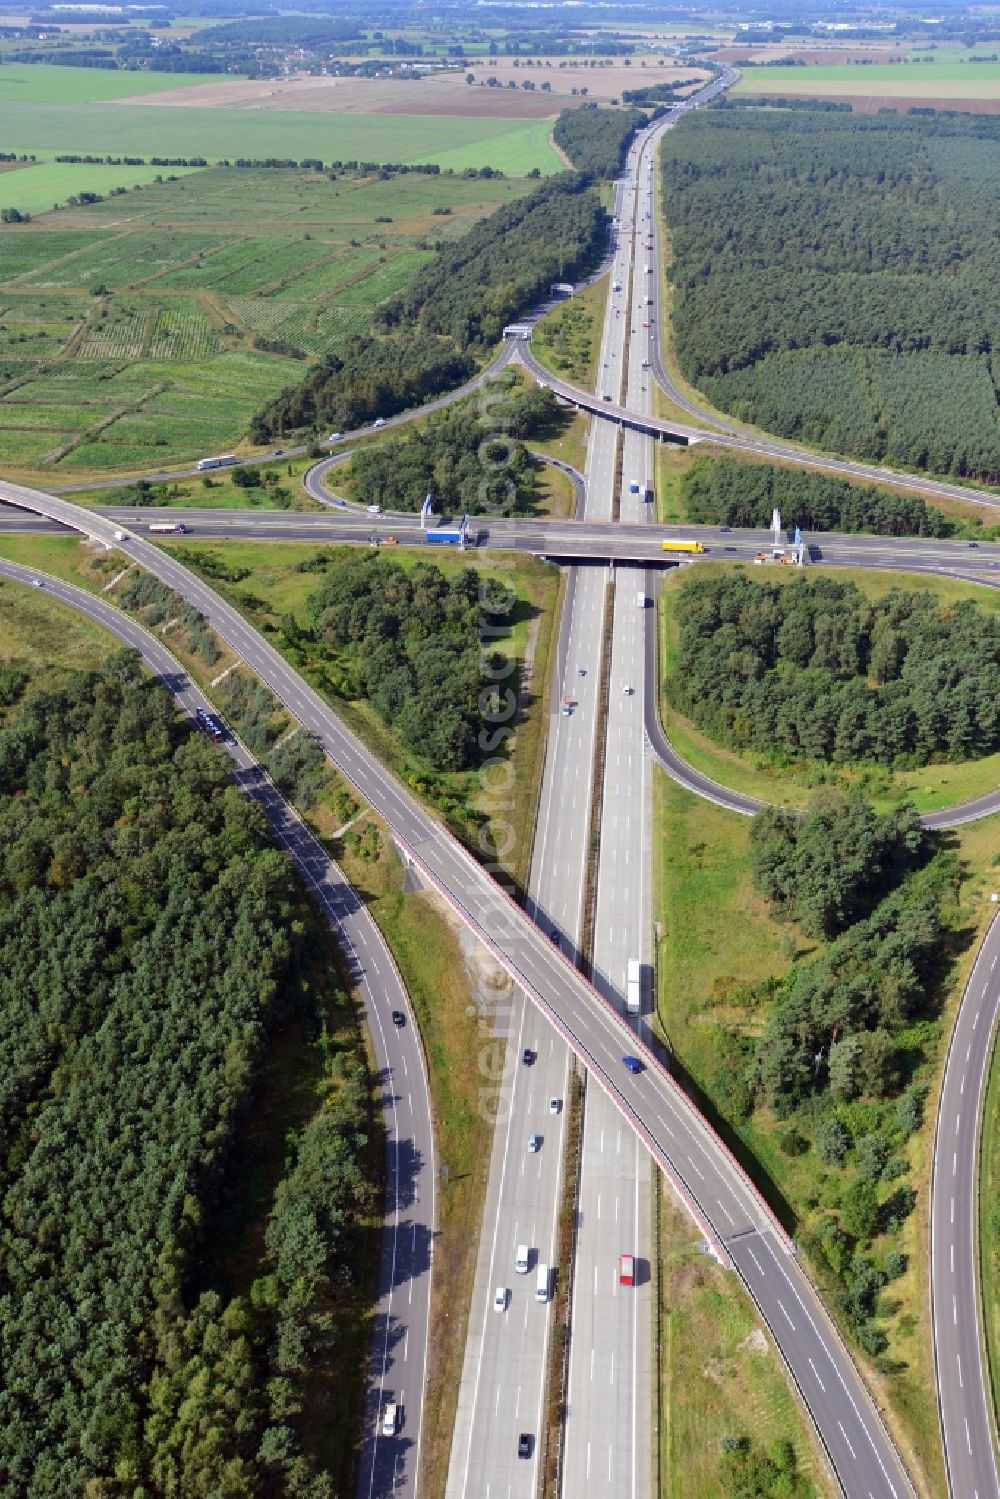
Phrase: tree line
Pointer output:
(838, 278)
(597, 140)
(454, 309)
(470, 458)
(815, 670)
(151, 943)
(724, 491)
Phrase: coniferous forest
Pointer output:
(816, 670)
(838, 278)
(151, 943)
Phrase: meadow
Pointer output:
(128, 327)
(46, 184)
(510, 146)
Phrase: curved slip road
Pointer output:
(961, 1365)
(738, 1225)
(397, 1365)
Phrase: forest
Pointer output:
(409, 641)
(455, 309)
(152, 942)
(723, 491)
(838, 1049)
(505, 263)
(838, 278)
(447, 457)
(597, 140)
(815, 670)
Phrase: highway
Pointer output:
(961, 1367)
(733, 1217)
(387, 1465)
(608, 1436)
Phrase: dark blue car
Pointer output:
(632, 1063)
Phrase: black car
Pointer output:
(398, 1018)
(527, 1056)
(524, 1444)
(554, 934)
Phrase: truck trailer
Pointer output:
(633, 988)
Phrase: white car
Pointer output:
(627, 691)
(500, 1296)
(534, 1144)
(379, 421)
(37, 583)
(555, 1105)
(335, 437)
(374, 509)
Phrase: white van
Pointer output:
(542, 1283)
(521, 1259)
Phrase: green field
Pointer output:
(42, 83)
(38, 188)
(929, 80)
(127, 327)
(510, 146)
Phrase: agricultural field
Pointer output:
(510, 146)
(128, 327)
(29, 83)
(949, 84)
(43, 185)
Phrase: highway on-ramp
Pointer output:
(734, 1218)
(961, 1364)
(387, 1465)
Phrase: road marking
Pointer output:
(975, 1020)
(785, 1314)
(954, 1310)
(757, 1262)
(816, 1372)
(958, 1360)
(954, 1162)
(958, 1121)
(724, 1209)
(696, 1169)
(843, 1433)
(961, 1086)
(968, 1439)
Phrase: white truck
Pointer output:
(633, 988)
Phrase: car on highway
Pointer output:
(555, 1105)
(524, 1444)
(973, 543)
(390, 1418)
(627, 690)
(379, 422)
(632, 1064)
(37, 583)
(607, 398)
(527, 1056)
(391, 541)
(626, 1270)
(335, 437)
(500, 1298)
(534, 1144)
(555, 935)
(726, 530)
(398, 1018)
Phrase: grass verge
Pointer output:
(567, 340)
(720, 1376)
(44, 636)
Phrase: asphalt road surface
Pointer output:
(961, 1365)
(735, 1220)
(397, 1365)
